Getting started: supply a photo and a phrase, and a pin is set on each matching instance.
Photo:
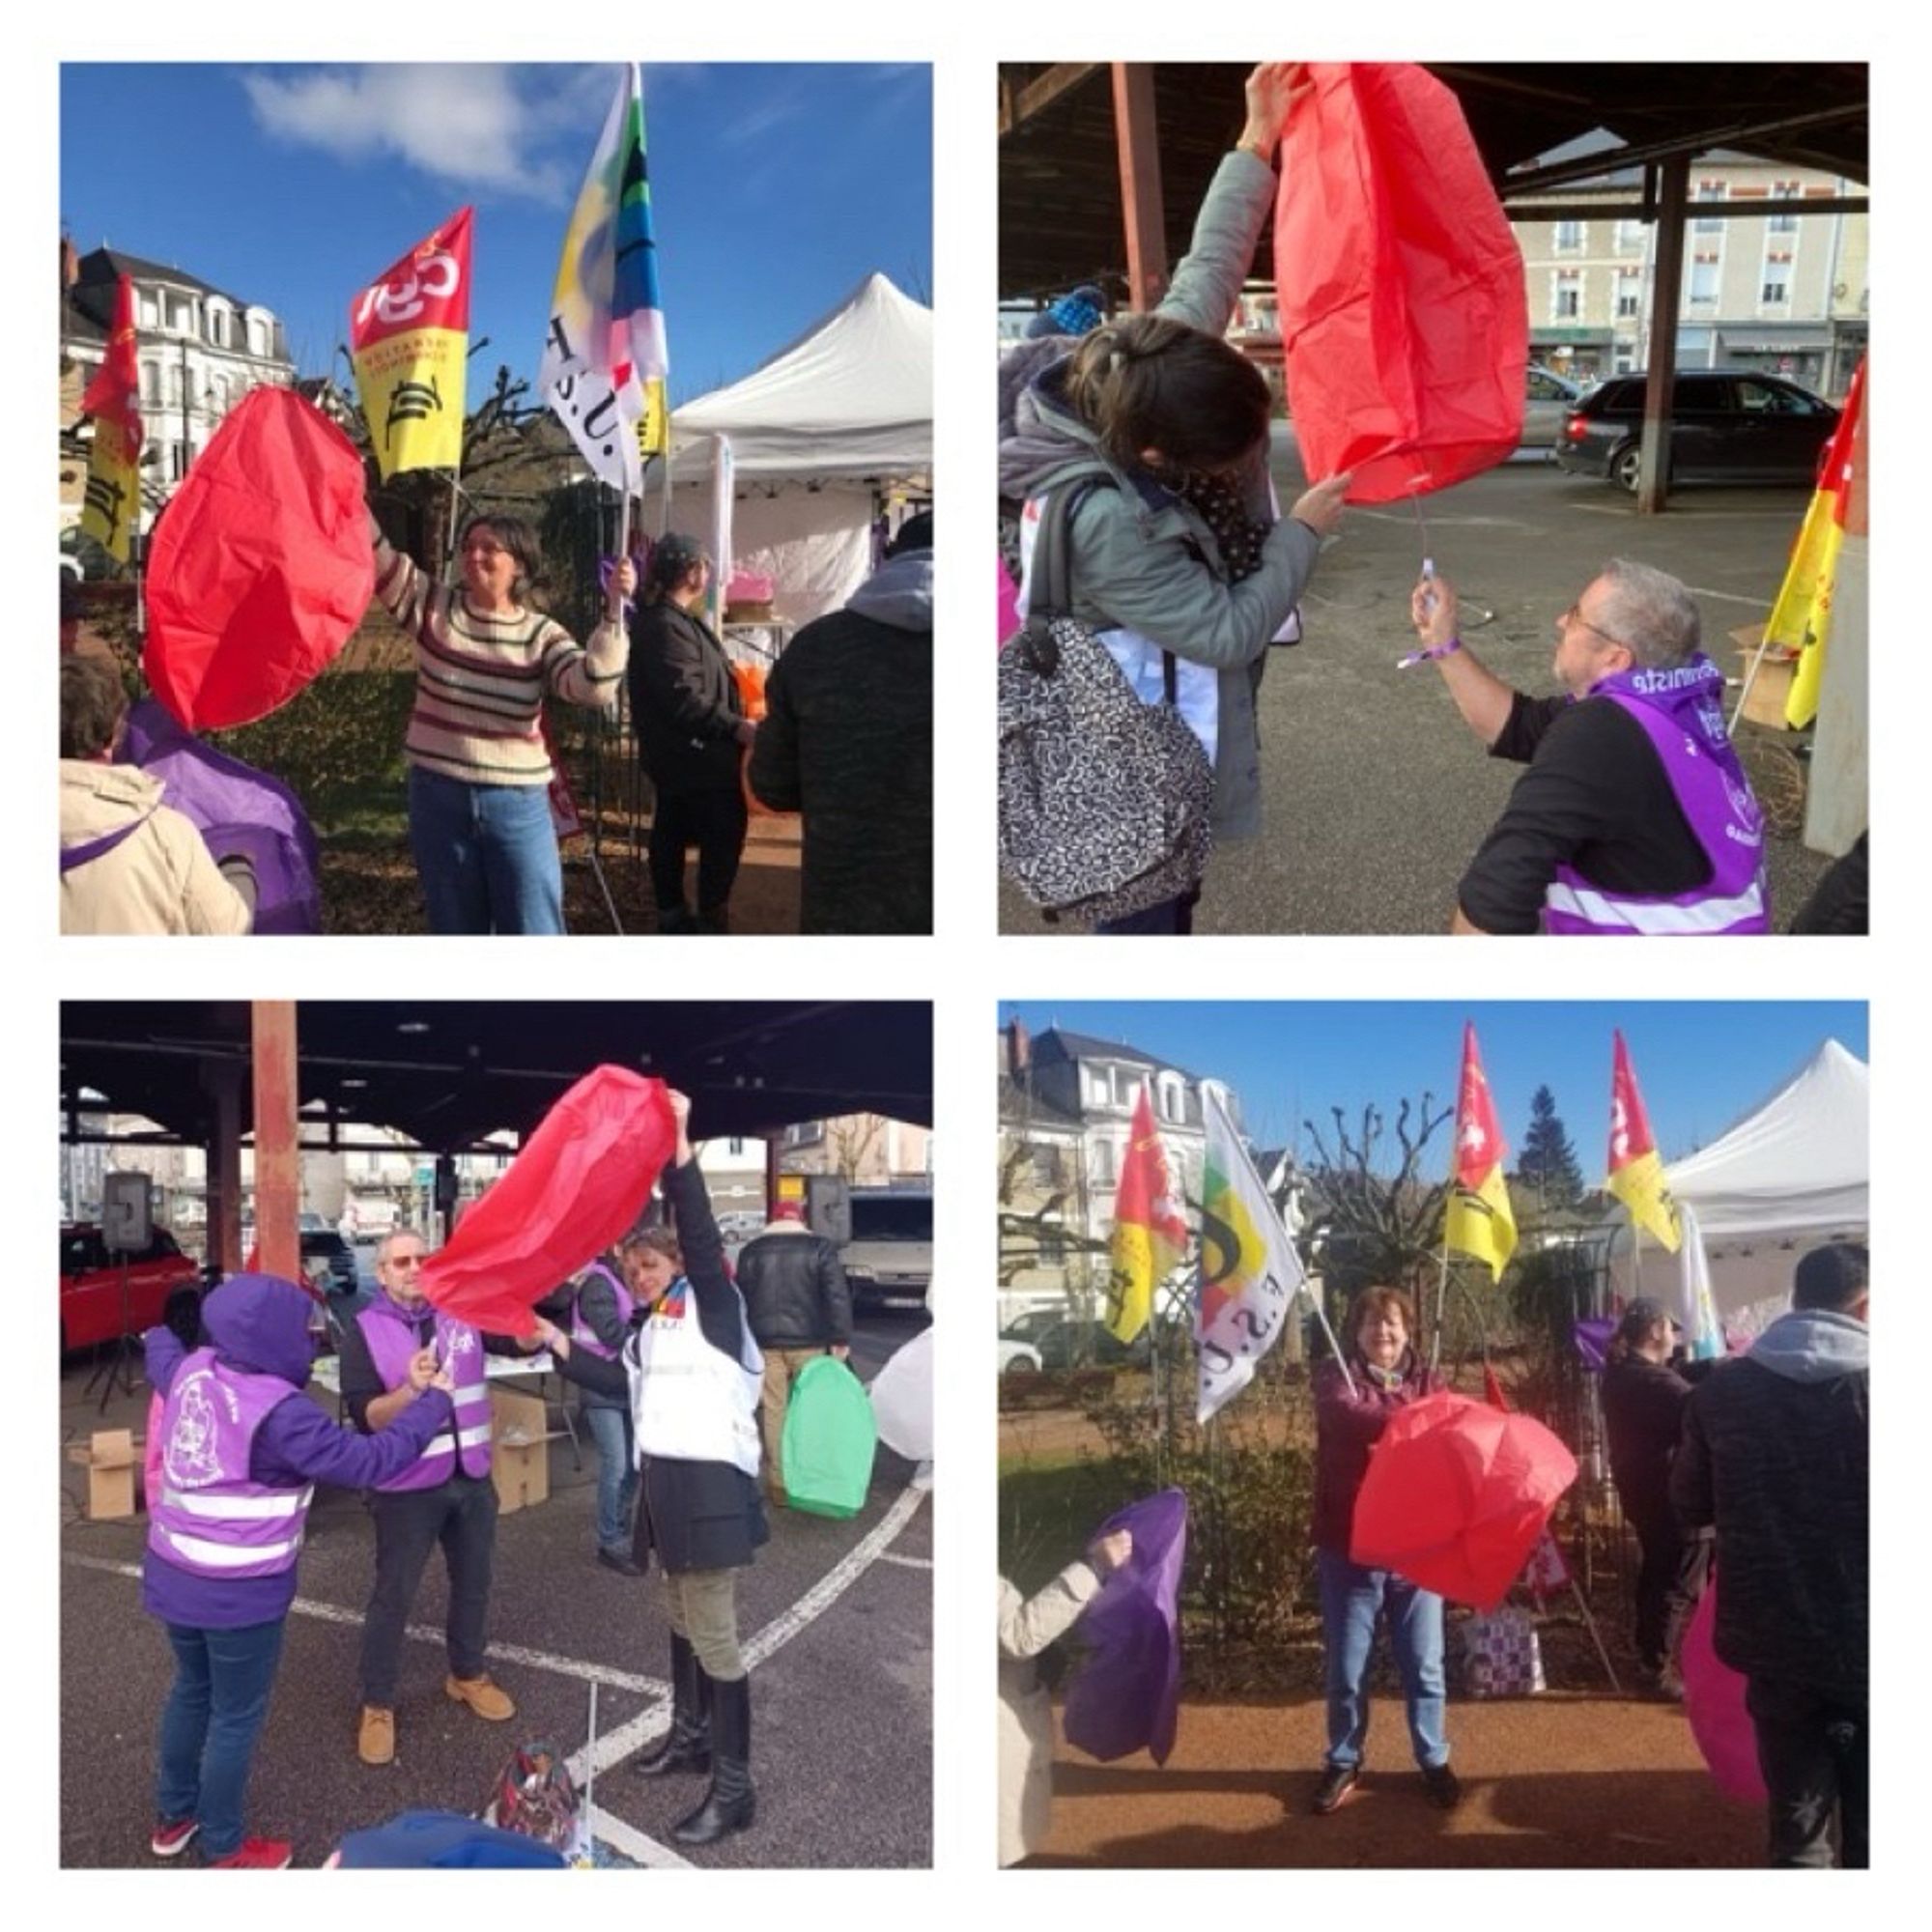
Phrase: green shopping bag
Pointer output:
(829, 1439)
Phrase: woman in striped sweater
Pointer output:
(479, 765)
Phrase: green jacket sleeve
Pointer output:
(1208, 283)
(1161, 591)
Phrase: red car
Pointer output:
(89, 1286)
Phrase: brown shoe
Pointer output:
(376, 1740)
(482, 1696)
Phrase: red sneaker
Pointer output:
(172, 1840)
(257, 1854)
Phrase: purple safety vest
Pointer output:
(1682, 715)
(209, 1518)
(391, 1333)
(581, 1334)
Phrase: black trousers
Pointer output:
(1669, 1579)
(1814, 1753)
(460, 1515)
(713, 818)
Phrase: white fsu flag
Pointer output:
(1250, 1272)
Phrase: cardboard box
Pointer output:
(520, 1448)
(1772, 686)
(112, 1460)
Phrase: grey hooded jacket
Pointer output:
(1144, 559)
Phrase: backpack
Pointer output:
(1105, 802)
(829, 1439)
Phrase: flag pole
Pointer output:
(1307, 1288)
(1596, 1638)
(1442, 1298)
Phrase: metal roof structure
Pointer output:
(450, 1073)
(1061, 210)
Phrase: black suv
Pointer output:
(1726, 426)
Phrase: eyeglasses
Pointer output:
(1575, 615)
(403, 1261)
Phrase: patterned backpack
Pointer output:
(1105, 802)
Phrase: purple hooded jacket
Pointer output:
(258, 1322)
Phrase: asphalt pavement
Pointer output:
(835, 1617)
(1377, 794)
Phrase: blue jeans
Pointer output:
(616, 1475)
(209, 1723)
(1351, 1600)
(486, 855)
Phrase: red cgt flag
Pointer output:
(578, 1183)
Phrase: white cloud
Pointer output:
(476, 125)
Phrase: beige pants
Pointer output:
(703, 1606)
(782, 1370)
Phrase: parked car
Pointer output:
(328, 1257)
(1018, 1359)
(1726, 426)
(1058, 1340)
(1547, 402)
(91, 1284)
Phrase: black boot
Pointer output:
(687, 1745)
(731, 1803)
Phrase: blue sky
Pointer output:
(1700, 1065)
(777, 188)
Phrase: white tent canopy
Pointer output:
(852, 397)
(816, 432)
(1791, 1174)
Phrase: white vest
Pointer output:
(689, 1401)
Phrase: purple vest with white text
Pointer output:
(391, 1334)
(1681, 714)
(209, 1518)
(581, 1334)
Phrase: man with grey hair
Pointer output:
(1634, 816)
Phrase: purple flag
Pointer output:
(1592, 1338)
(1127, 1691)
(239, 812)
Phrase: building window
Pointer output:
(257, 337)
(1774, 292)
(1629, 238)
(1784, 224)
(1045, 1168)
(217, 328)
(1103, 1164)
(1629, 293)
(1704, 279)
(1709, 225)
(178, 457)
(1568, 237)
(150, 383)
(1566, 299)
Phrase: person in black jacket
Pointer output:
(846, 742)
(1644, 1414)
(691, 728)
(799, 1306)
(1776, 1453)
(691, 1373)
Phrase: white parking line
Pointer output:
(905, 1562)
(501, 1653)
(647, 1727)
(612, 1746)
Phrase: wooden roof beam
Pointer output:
(1019, 105)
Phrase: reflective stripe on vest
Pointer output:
(1602, 911)
(206, 1514)
(689, 1401)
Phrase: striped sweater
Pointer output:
(480, 681)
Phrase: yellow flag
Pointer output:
(1637, 1173)
(410, 335)
(1481, 1221)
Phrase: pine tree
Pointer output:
(1549, 1163)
